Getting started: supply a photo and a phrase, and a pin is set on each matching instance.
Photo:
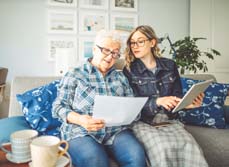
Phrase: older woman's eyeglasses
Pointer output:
(138, 43)
(107, 52)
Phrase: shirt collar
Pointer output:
(159, 65)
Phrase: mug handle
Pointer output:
(62, 152)
(4, 149)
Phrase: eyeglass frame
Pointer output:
(114, 55)
(137, 43)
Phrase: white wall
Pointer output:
(23, 36)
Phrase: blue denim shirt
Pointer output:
(164, 82)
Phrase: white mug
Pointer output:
(20, 145)
(46, 150)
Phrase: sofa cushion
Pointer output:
(214, 143)
(211, 113)
(10, 125)
(37, 106)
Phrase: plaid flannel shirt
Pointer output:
(76, 93)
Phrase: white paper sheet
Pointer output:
(116, 110)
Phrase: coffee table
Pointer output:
(5, 163)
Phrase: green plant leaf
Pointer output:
(189, 56)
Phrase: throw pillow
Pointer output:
(211, 113)
(37, 108)
(10, 125)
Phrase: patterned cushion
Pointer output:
(37, 106)
(211, 113)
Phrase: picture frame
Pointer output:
(86, 45)
(62, 3)
(124, 5)
(62, 22)
(60, 42)
(124, 36)
(124, 22)
(94, 4)
(91, 22)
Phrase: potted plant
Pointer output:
(188, 56)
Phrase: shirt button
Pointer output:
(158, 92)
(160, 83)
(139, 81)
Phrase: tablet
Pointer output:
(192, 93)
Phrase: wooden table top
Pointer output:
(5, 163)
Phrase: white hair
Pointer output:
(104, 34)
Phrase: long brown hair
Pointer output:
(150, 34)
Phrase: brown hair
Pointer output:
(150, 34)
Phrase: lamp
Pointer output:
(65, 59)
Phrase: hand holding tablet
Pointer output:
(192, 93)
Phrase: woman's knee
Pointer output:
(129, 150)
(86, 151)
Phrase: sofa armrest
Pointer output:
(226, 111)
(227, 101)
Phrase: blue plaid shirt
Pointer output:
(77, 90)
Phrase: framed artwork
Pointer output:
(124, 37)
(95, 4)
(125, 5)
(55, 43)
(62, 3)
(124, 22)
(62, 21)
(92, 22)
(85, 48)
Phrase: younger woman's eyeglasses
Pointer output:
(138, 43)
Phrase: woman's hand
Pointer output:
(168, 102)
(86, 121)
(90, 124)
(196, 102)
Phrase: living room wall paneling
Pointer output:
(209, 19)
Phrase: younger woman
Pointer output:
(157, 78)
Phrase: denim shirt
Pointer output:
(164, 82)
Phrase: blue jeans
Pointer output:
(126, 150)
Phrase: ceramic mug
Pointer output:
(20, 145)
(46, 150)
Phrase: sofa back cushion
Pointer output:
(21, 84)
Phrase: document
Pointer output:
(116, 110)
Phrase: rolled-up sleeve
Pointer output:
(65, 97)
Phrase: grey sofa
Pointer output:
(214, 142)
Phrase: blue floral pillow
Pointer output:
(37, 108)
(211, 113)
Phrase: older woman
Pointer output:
(90, 141)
